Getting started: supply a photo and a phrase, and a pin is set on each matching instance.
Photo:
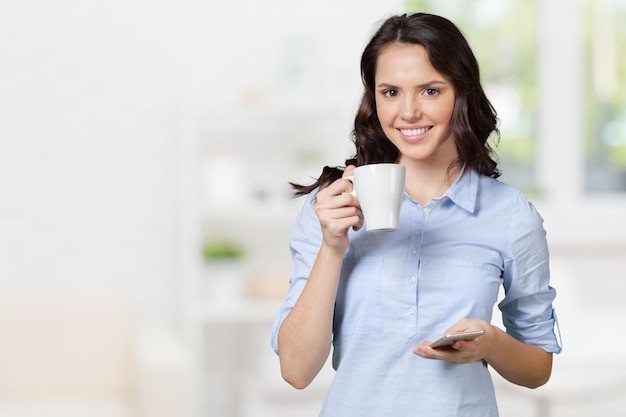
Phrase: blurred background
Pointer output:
(146, 150)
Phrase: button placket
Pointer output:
(412, 275)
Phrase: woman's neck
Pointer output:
(423, 182)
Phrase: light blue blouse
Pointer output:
(446, 262)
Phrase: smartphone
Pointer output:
(447, 340)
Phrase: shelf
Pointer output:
(246, 311)
(285, 213)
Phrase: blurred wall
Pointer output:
(89, 167)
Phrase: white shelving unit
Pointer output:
(245, 197)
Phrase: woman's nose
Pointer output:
(410, 109)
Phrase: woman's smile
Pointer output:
(414, 104)
(413, 135)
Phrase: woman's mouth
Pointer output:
(414, 134)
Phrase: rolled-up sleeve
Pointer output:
(527, 308)
(304, 243)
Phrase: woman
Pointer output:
(379, 299)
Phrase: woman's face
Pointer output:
(414, 104)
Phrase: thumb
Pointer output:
(348, 171)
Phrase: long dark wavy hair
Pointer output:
(473, 118)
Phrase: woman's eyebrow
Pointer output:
(431, 83)
(424, 85)
(386, 85)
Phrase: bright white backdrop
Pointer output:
(108, 111)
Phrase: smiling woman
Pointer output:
(378, 299)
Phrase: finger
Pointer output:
(348, 171)
(424, 350)
(339, 201)
(360, 224)
(337, 187)
(340, 212)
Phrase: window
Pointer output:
(605, 95)
(503, 36)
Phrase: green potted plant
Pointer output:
(225, 281)
(222, 249)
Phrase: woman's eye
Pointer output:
(431, 92)
(390, 93)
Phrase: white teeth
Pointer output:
(414, 132)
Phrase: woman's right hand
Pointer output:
(338, 211)
(305, 336)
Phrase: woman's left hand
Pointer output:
(462, 351)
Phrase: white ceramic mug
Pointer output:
(379, 189)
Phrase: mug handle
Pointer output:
(351, 179)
